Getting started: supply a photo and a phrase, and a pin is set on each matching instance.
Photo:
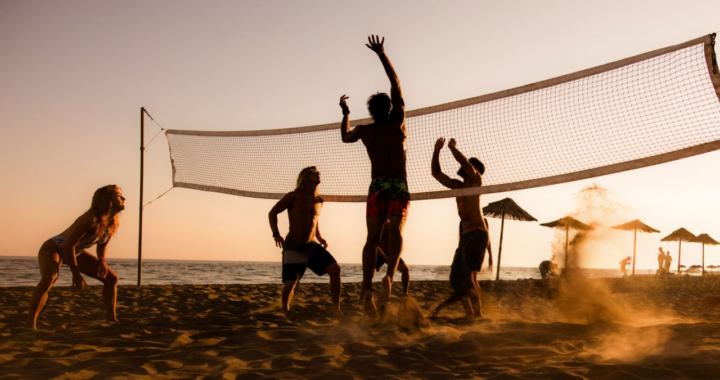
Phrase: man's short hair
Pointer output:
(379, 105)
(479, 166)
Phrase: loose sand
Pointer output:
(641, 328)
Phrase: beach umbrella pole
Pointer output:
(679, 255)
(634, 249)
(502, 229)
(703, 263)
(142, 173)
(567, 234)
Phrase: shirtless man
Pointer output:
(300, 251)
(385, 140)
(474, 237)
(661, 262)
(668, 262)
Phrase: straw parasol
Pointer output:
(506, 208)
(567, 223)
(704, 239)
(680, 235)
(635, 225)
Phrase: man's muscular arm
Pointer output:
(376, 44)
(466, 166)
(279, 207)
(437, 171)
(347, 135)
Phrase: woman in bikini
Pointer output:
(95, 226)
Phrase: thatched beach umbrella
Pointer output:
(635, 225)
(704, 239)
(567, 223)
(506, 208)
(680, 235)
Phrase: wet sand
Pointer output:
(642, 328)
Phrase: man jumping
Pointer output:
(385, 140)
(474, 235)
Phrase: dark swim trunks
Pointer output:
(298, 256)
(381, 261)
(388, 197)
(468, 258)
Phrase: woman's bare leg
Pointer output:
(50, 262)
(88, 265)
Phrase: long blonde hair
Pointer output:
(300, 184)
(101, 208)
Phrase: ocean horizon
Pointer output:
(24, 271)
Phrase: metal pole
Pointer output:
(502, 228)
(142, 174)
(634, 249)
(567, 233)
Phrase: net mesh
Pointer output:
(648, 108)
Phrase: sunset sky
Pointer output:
(74, 75)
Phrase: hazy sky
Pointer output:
(74, 75)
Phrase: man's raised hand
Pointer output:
(452, 143)
(343, 105)
(439, 143)
(376, 44)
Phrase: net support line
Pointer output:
(707, 40)
(572, 108)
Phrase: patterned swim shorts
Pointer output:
(388, 197)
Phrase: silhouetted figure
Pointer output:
(300, 251)
(623, 265)
(474, 235)
(388, 197)
(661, 262)
(96, 226)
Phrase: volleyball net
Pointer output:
(645, 110)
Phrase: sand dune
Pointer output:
(642, 328)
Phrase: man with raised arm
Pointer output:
(474, 235)
(300, 250)
(385, 140)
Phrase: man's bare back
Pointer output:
(388, 196)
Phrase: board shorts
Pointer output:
(381, 261)
(298, 256)
(388, 197)
(468, 258)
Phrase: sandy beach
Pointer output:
(639, 328)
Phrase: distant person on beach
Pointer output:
(96, 226)
(474, 235)
(623, 265)
(300, 250)
(547, 268)
(668, 262)
(382, 259)
(661, 262)
(388, 197)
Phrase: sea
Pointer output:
(24, 271)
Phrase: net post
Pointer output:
(142, 173)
